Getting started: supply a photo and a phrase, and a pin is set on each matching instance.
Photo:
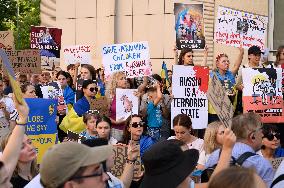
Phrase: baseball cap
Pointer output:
(255, 50)
(168, 163)
(60, 162)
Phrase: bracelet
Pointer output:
(130, 161)
(21, 123)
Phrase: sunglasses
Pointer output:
(92, 89)
(137, 124)
(270, 136)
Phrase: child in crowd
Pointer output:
(103, 129)
(90, 120)
(154, 112)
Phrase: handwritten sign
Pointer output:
(100, 104)
(25, 61)
(41, 127)
(133, 58)
(189, 25)
(6, 40)
(75, 54)
(126, 103)
(120, 161)
(262, 93)
(217, 95)
(234, 27)
(190, 85)
(48, 41)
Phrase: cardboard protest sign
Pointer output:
(120, 161)
(6, 40)
(217, 95)
(101, 105)
(133, 58)
(78, 53)
(262, 93)
(126, 103)
(11, 75)
(234, 27)
(41, 127)
(48, 41)
(189, 25)
(25, 61)
(189, 87)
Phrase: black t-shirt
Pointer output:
(19, 182)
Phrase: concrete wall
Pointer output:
(99, 22)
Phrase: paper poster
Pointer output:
(11, 75)
(41, 127)
(77, 54)
(262, 93)
(189, 25)
(217, 95)
(6, 40)
(25, 61)
(126, 103)
(48, 41)
(133, 58)
(120, 153)
(189, 87)
(234, 27)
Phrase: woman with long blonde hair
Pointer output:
(117, 80)
(26, 168)
(213, 137)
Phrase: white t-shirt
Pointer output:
(197, 144)
(279, 172)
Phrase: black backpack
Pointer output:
(206, 174)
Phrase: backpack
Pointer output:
(206, 174)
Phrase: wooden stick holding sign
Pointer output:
(11, 74)
(221, 103)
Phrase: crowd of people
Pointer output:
(239, 156)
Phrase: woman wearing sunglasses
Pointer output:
(135, 131)
(73, 121)
(270, 143)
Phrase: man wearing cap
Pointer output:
(71, 164)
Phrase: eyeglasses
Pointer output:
(270, 136)
(137, 124)
(92, 89)
(99, 172)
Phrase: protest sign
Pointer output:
(262, 93)
(101, 105)
(217, 95)
(120, 156)
(41, 127)
(25, 61)
(234, 27)
(11, 75)
(77, 54)
(6, 40)
(133, 58)
(189, 25)
(190, 84)
(126, 103)
(48, 41)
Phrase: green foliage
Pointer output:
(29, 14)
